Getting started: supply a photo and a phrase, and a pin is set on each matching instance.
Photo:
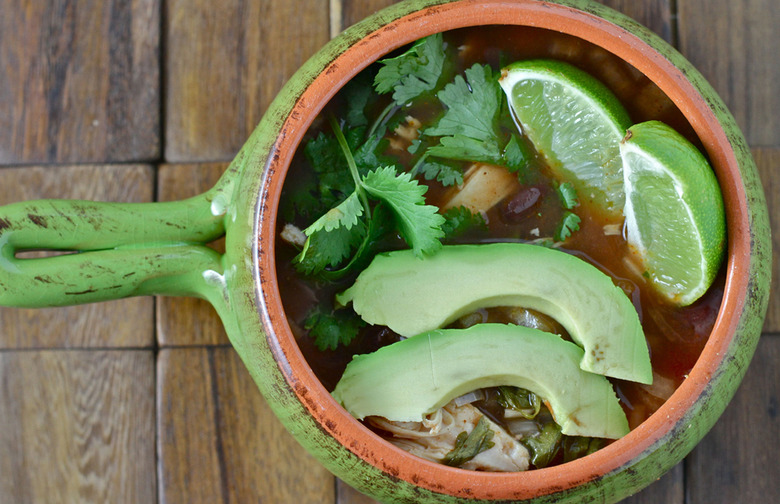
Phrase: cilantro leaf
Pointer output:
(569, 224)
(325, 249)
(346, 215)
(419, 224)
(469, 445)
(375, 238)
(465, 148)
(470, 129)
(333, 182)
(368, 155)
(414, 72)
(516, 154)
(472, 105)
(568, 195)
(460, 219)
(443, 173)
(415, 145)
(331, 328)
(360, 94)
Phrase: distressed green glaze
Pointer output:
(124, 249)
(158, 248)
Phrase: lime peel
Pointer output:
(575, 122)
(675, 217)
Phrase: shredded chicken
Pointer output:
(484, 186)
(293, 235)
(405, 133)
(435, 436)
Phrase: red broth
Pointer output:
(676, 336)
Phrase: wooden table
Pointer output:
(143, 400)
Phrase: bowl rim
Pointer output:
(673, 414)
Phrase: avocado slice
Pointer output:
(412, 295)
(410, 378)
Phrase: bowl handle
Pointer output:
(121, 250)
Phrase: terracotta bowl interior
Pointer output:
(673, 82)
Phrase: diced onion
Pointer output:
(522, 427)
(470, 397)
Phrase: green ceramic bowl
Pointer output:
(158, 248)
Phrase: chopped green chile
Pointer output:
(523, 401)
(469, 445)
(545, 446)
(575, 447)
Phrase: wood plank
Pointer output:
(734, 45)
(654, 14)
(78, 426)
(85, 81)
(124, 323)
(352, 11)
(225, 62)
(220, 442)
(768, 163)
(737, 460)
(345, 494)
(181, 320)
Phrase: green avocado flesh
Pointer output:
(416, 376)
(412, 295)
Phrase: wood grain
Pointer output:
(77, 426)
(352, 11)
(219, 442)
(345, 494)
(123, 323)
(80, 81)
(654, 14)
(768, 163)
(737, 460)
(734, 45)
(669, 489)
(224, 63)
(180, 320)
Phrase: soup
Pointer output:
(483, 203)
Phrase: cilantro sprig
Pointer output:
(568, 195)
(570, 221)
(332, 328)
(569, 224)
(471, 118)
(414, 72)
(469, 129)
(356, 201)
(347, 230)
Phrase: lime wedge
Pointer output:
(575, 122)
(674, 212)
